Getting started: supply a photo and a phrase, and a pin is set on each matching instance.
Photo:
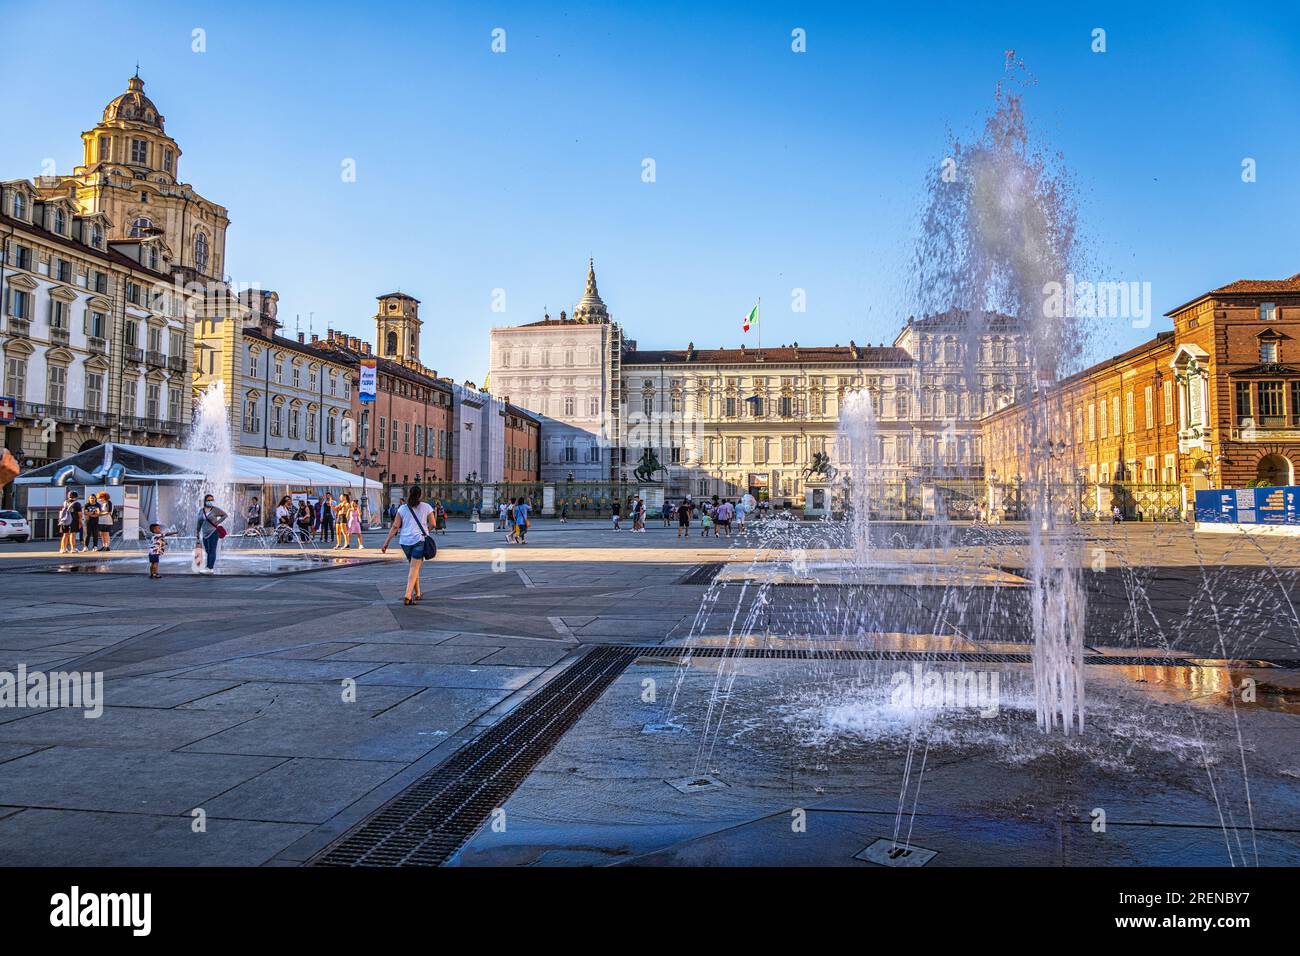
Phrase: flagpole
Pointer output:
(758, 322)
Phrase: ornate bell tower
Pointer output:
(398, 328)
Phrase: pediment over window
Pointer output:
(98, 363)
(60, 356)
(20, 280)
(1186, 354)
(1267, 368)
(63, 293)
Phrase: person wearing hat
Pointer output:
(69, 523)
(105, 521)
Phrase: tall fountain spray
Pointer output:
(860, 479)
(997, 233)
(210, 442)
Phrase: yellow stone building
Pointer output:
(131, 174)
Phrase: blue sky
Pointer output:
(774, 170)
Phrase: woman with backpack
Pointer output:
(414, 520)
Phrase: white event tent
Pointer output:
(157, 483)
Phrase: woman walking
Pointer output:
(439, 516)
(208, 532)
(413, 520)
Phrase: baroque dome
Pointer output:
(133, 106)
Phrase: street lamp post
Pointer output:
(364, 461)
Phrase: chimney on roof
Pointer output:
(315, 339)
(365, 347)
(302, 338)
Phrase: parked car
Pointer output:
(13, 527)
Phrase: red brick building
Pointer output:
(523, 445)
(409, 423)
(1237, 358)
(1214, 403)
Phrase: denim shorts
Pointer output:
(413, 550)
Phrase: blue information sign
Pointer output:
(1280, 505)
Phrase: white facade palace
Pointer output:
(566, 371)
(749, 420)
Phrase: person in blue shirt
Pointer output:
(521, 519)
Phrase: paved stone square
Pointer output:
(288, 709)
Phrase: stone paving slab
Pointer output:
(406, 732)
(75, 838)
(137, 781)
(253, 697)
(416, 653)
(302, 790)
(118, 728)
(444, 675)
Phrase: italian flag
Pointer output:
(751, 318)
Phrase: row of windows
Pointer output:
(408, 438)
(302, 423)
(525, 357)
(56, 390)
(1264, 404)
(523, 459)
(333, 380)
(138, 150)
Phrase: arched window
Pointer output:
(139, 225)
(60, 221)
(201, 251)
(20, 206)
(390, 344)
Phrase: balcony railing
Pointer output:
(132, 354)
(156, 359)
(176, 363)
(1263, 426)
(64, 414)
(17, 326)
(59, 336)
(95, 344)
(158, 425)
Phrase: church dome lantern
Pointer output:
(133, 107)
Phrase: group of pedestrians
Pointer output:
(85, 527)
(715, 517)
(325, 521)
(512, 517)
(635, 512)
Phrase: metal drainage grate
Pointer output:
(940, 657)
(701, 574)
(430, 820)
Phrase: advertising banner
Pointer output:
(366, 387)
